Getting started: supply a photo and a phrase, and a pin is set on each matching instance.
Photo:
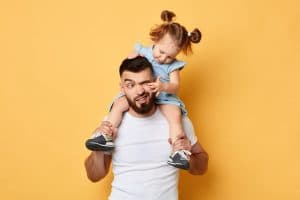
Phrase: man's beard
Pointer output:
(144, 107)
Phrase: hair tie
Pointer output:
(189, 34)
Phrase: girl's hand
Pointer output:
(156, 86)
(133, 55)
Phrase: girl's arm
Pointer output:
(172, 87)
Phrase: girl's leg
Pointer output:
(116, 113)
(101, 141)
(173, 115)
(179, 158)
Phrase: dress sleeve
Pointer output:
(140, 49)
(176, 65)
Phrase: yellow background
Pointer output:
(59, 71)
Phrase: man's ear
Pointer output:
(121, 87)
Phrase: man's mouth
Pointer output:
(141, 99)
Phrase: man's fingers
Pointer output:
(182, 144)
(105, 127)
(107, 123)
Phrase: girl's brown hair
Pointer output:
(181, 36)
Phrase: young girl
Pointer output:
(169, 38)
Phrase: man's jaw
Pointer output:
(142, 104)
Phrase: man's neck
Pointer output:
(135, 114)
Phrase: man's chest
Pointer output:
(142, 143)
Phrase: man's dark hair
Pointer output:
(136, 64)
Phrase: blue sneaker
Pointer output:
(180, 159)
(100, 142)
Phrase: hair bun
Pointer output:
(167, 16)
(195, 36)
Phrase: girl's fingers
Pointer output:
(132, 55)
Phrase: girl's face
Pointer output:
(165, 50)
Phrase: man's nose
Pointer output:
(140, 89)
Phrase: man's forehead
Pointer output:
(144, 75)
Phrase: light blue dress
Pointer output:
(163, 71)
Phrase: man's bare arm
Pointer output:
(97, 165)
(198, 160)
(199, 157)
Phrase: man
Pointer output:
(141, 147)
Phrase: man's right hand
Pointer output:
(107, 128)
(181, 144)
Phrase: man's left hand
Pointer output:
(182, 143)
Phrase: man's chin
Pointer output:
(141, 104)
(143, 108)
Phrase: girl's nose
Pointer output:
(162, 58)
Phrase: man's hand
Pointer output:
(107, 128)
(182, 144)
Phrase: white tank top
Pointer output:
(140, 159)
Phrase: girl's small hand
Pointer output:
(133, 55)
(157, 86)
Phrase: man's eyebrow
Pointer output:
(126, 79)
(147, 81)
(142, 82)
